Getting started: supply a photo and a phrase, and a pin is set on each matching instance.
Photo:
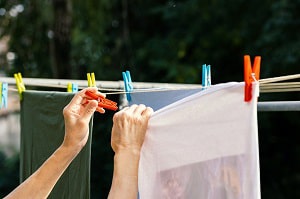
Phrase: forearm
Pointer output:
(40, 184)
(125, 176)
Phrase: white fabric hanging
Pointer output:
(204, 146)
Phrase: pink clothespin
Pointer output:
(251, 74)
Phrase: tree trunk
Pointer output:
(61, 42)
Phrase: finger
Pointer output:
(139, 109)
(132, 108)
(89, 110)
(100, 110)
(80, 96)
(102, 94)
(148, 112)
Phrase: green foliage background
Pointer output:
(163, 41)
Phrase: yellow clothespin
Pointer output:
(72, 87)
(91, 80)
(19, 84)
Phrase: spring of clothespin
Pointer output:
(127, 84)
(102, 101)
(3, 95)
(251, 74)
(72, 88)
(206, 76)
(19, 84)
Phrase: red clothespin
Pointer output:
(251, 74)
(102, 101)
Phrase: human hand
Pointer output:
(129, 128)
(77, 115)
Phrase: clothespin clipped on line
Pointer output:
(127, 84)
(102, 101)
(72, 88)
(3, 95)
(251, 74)
(91, 79)
(206, 76)
(19, 84)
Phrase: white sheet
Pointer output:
(204, 146)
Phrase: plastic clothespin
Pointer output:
(251, 74)
(19, 84)
(127, 84)
(91, 80)
(102, 101)
(3, 95)
(72, 88)
(206, 76)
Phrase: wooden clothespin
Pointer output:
(251, 74)
(72, 88)
(19, 84)
(127, 84)
(206, 76)
(3, 95)
(91, 80)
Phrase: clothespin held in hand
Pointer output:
(251, 74)
(127, 84)
(206, 76)
(102, 101)
(19, 84)
(72, 88)
(91, 80)
(3, 95)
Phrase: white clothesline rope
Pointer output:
(267, 85)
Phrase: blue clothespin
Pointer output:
(3, 93)
(206, 76)
(72, 88)
(127, 84)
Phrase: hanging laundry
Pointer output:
(42, 132)
(160, 98)
(203, 146)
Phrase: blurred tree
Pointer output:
(161, 41)
(60, 39)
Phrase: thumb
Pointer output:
(89, 110)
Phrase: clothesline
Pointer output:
(268, 85)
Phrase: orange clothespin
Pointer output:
(251, 74)
(102, 101)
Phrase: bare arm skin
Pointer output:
(128, 134)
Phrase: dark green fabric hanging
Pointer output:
(42, 132)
